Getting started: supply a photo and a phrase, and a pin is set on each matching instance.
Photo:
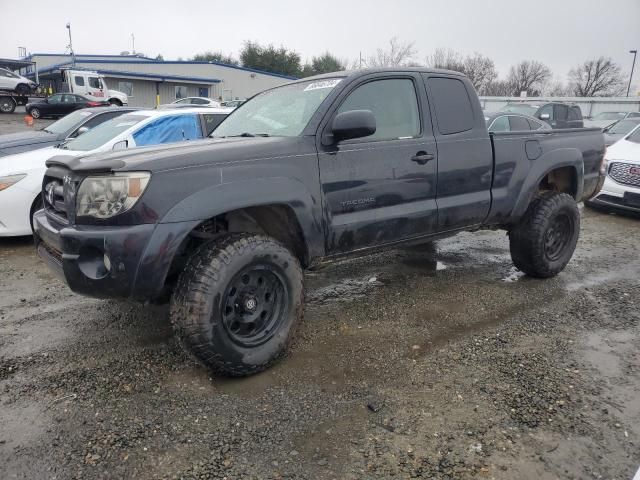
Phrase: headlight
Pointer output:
(6, 182)
(107, 196)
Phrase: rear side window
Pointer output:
(500, 124)
(534, 125)
(394, 105)
(79, 81)
(212, 120)
(518, 124)
(560, 112)
(575, 113)
(168, 130)
(453, 109)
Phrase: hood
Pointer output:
(188, 154)
(24, 162)
(624, 150)
(598, 123)
(11, 140)
(611, 138)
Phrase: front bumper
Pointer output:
(618, 196)
(110, 262)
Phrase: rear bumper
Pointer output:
(110, 262)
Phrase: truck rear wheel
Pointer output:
(238, 303)
(7, 105)
(544, 241)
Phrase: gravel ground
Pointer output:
(441, 363)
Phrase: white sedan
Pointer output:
(21, 174)
(621, 189)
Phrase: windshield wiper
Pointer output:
(62, 145)
(248, 134)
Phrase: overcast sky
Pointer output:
(560, 33)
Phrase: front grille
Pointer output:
(58, 192)
(621, 173)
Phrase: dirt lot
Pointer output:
(438, 363)
(444, 363)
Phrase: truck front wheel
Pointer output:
(544, 240)
(238, 303)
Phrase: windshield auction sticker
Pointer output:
(323, 84)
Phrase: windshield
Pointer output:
(609, 116)
(104, 132)
(623, 126)
(67, 123)
(283, 111)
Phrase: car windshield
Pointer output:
(609, 116)
(68, 122)
(623, 127)
(520, 108)
(104, 132)
(282, 111)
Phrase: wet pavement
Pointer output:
(438, 362)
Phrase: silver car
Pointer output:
(15, 83)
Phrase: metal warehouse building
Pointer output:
(142, 78)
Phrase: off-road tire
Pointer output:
(199, 302)
(531, 250)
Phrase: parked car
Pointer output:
(621, 189)
(16, 83)
(507, 122)
(300, 175)
(192, 102)
(21, 175)
(615, 132)
(233, 103)
(70, 126)
(61, 104)
(557, 115)
(605, 119)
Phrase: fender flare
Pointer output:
(205, 204)
(565, 157)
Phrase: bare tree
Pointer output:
(555, 88)
(499, 88)
(481, 71)
(598, 77)
(447, 59)
(528, 76)
(398, 55)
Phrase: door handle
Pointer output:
(422, 158)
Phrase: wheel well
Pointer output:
(115, 101)
(563, 180)
(276, 221)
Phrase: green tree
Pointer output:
(271, 59)
(325, 63)
(211, 56)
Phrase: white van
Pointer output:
(93, 85)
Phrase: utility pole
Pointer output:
(633, 65)
(73, 55)
(361, 60)
(133, 44)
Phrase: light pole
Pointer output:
(73, 55)
(633, 65)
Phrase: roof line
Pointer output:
(85, 55)
(152, 61)
(116, 73)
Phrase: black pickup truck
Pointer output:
(300, 175)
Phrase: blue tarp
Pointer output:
(175, 128)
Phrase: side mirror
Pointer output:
(353, 124)
(544, 116)
(122, 145)
(82, 130)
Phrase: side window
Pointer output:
(212, 120)
(548, 109)
(634, 115)
(534, 125)
(453, 109)
(79, 80)
(98, 119)
(560, 112)
(500, 124)
(54, 99)
(168, 130)
(393, 103)
(80, 99)
(518, 124)
(68, 99)
(95, 82)
(199, 101)
(575, 113)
